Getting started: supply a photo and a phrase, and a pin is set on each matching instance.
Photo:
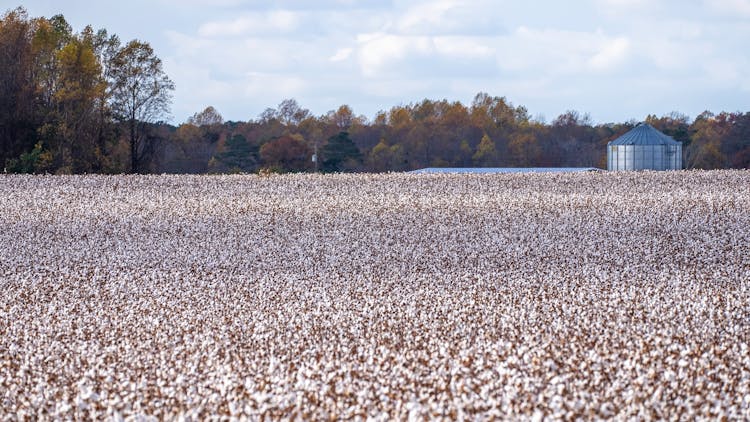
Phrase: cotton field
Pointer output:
(381, 297)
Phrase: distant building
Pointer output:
(644, 148)
(492, 170)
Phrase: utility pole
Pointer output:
(315, 157)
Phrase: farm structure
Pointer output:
(644, 148)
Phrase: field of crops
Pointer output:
(376, 296)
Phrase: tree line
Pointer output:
(491, 132)
(82, 103)
(77, 102)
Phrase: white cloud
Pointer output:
(245, 55)
(427, 17)
(625, 4)
(196, 88)
(377, 50)
(202, 3)
(739, 8)
(273, 22)
(186, 45)
(396, 88)
(425, 36)
(386, 55)
(612, 54)
(722, 72)
(446, 17)
(550, 51)
(381, 55)
(341, 54)
(265, 5)
(463, 47)
(272, 85)
(618, 7)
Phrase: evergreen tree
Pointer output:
(238, 155)
(340, 154)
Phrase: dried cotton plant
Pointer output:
(376, 296)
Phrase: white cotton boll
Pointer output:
(62, 408)
(81, 403)
(340, 295)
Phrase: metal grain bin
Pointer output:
(644, 148)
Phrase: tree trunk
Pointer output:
(133, 148)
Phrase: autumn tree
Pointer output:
(50, 37)
(141, 94)
(524, 148)
(704, 151)
(286, 153)
(486, 154)
(573, 140)
(209, 121)
(61, 91)
(18, 121)
(189, 149)
(453, 134)
(737, 140)
(674, 124)
(79, 86)
(208, 117)
(384, 157)
(399, 118)
(733, 137)
(463, 158)
(342, 118)
(65, 87)
(290, 113)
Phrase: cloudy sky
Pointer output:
(614, 59)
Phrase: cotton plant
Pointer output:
(375, 296)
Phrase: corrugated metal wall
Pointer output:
(644, 157)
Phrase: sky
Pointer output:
(617, 60)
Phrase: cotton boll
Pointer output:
(580, 295)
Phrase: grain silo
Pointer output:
(644, 148)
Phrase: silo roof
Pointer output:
(644, 134)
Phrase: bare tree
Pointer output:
(290, 112)
(141, 94)
(208, 117)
